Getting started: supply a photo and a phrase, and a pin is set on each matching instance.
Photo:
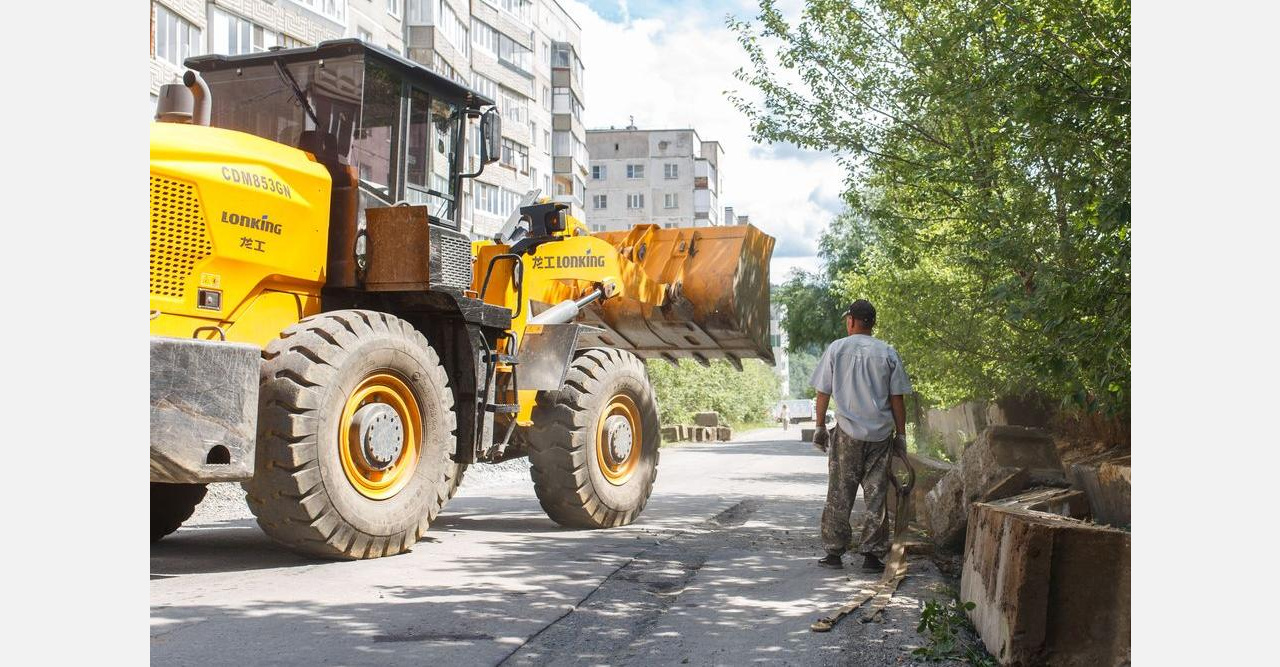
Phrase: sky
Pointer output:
(669, 63)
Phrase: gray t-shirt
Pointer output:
(860, 373)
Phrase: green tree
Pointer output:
(987, 144)
(741, 397)
(800, 366)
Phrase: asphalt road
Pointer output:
(720, 569)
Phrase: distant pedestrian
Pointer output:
(867, 380)
(785, 415)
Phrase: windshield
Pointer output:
(259, 100)
(401, 140)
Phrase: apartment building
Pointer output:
(666, 177)
(525, 54)
(779, 342)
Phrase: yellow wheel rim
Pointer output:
(370, 480)
(619, 439)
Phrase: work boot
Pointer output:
(872, 564)
(832, 561)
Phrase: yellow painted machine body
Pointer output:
(239, 228)
(697, 293)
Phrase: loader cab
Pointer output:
(388, 129)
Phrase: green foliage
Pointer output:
(987, 145)
(800, 365)
(741, 397)
(928, 444)
(950, 633)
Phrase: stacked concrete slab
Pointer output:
(1048, 588)
(706, 428)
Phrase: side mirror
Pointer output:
(490, 137)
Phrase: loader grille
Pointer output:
(455, 260)
(179, 237)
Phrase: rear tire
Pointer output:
(580, 481)
(315, 489)
(171, 504)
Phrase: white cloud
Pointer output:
(670, 69)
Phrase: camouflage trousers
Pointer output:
(851, 463)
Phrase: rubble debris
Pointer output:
(1047, 589)
(946, 512)
(1001, 451)
(928, 473)
(1106, 481)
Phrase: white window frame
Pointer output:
(219, 17)
(599, 172)
(671, 171)
(670, 200)
(635, 172)
(635, 202)
(168, 20)
(394, 8)
(599, 202)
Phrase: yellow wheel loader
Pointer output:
(324, 332)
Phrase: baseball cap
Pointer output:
(862, 310)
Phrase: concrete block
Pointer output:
(1001, 451)
(724, 433)
(806, 434)
(1106, 482)
(709, 433)
(928, 473)
(707, 419)
(1047, 589)
(946, 512)
(670, 433)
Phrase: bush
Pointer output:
(741, 397)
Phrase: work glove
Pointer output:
(900, 442)
(820, 437)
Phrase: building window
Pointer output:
(515, 107)
(546, 141)
(670, 171)
(515, 155)
(393, 8)
(486, 198)
(364, 35)
(635, 202)
(484, 85)
(670, 200)
(233, 35)
(533, 177)
(599, 202)
(517, 8)
(495, 43)
(599, 172)
(453, 29)
(546, 98)
(176, 38)
(635, 171)
(334, 9)
(564, 101)
(290, 42)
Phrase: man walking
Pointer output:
(785, 416)
(867, 380)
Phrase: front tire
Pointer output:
(585, 472)
(355, 430)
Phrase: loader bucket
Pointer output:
(718, 303)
